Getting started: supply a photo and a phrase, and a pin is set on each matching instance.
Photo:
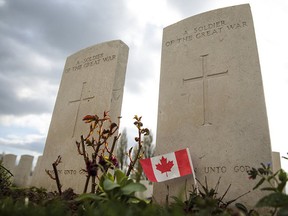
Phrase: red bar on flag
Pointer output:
(168, 166)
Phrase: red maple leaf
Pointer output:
(164, 166)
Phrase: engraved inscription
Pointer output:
(79, 104)
(219, 169)
(204, 79)
(67, 172)
(239, 169)
(209, 29)
(91, 61)
(204, 31)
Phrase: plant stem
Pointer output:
(93, 185)
(274, 212)
(6, 170)
(83, 148)
(112, 148)
(57, 177)
(132, 163)
(86, 183)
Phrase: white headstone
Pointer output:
(211, 100)
(37, 169)
(23, 171)
(276, 161)
(92, 82)
(9, 162)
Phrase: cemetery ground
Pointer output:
(115, 192)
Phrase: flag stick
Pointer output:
(193, 171)
(194, 179)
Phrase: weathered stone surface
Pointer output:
(276, 161)
(37, 169)
(92, 83)
(9, 162)
(23, 171)
(211, 100)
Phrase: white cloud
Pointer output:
(38, 122)
(2, 3)
(29, 141)
(34, 48)
(13, 140)
(152, 12)
(41, 89)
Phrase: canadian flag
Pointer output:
(168, 166)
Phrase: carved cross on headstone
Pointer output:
(79, 104)
(204, 77)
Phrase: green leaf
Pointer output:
(109, 185)
(120, 176)
(261, 171)
(253, 213)
(177, 200)
(129, 181)
(272, 176)
(283, 211)
(101, 181)
(110, 176)
(282, 176)
(275, 200)
(133, 187)
(263, 165)
(87, 196)
(242, 207)
(281, 186)
(269, 189)
(259, 183)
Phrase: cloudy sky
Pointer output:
(37, 36)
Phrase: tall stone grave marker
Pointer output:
(23, 171)
(276, 161)
(211, 100)
(9, 162)
(92, 82)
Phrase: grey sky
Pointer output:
(37, 36)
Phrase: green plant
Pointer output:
(206, 201)
(134, 158)
(36, 201)
(23, 207)
(115, 187)
(56, 177)
(102, 156)
(5, 178)
(276, 199)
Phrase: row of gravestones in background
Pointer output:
(23, 171)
